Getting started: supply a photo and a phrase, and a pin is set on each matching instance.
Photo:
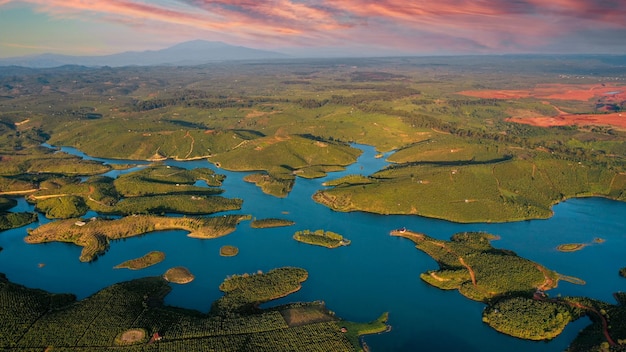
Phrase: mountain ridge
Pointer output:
(193, 52)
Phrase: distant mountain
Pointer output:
(189, 53)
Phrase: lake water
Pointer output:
(376, 273)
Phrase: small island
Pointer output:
(147, 260)
(622, 272)
(179, 275)
(322, 238)
(270, 222)
(570, 247)
(229, 251)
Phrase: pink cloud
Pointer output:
(484, 25)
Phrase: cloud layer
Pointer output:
(422, 26)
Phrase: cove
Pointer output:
(376, 273)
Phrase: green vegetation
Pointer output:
(156, 189)
(160, 179)
(115, 318)
(147, 260)
(473, 191)
(178, 275)
(14, 220)
(282, 157)
(6, 204)
(513, 289)
(608, 329)
(622, 272)
(181, 204)
(277, 186)
(245, 292)
(527, 318)
(94, 236)
(45, 161)
(458, 157)
(570, 247)
(229, 251)
(322, 238)
(270, 222)
(480, 272)
(63, 207)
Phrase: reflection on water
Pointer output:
(376, 273)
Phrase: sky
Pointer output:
(316, 27)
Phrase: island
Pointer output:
(514, 290)
(151, 258)
(229, 251)
(622, 272)
(94, 235)
(135, 315)
(322, 238)
(179, 275)
(570, 247)
(270, 222)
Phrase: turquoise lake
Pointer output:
(377, 273)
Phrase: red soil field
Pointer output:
(614, 119)
(556, 91)
(601, 94)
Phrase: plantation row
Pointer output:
(34, 319)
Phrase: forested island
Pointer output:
(514, 290)
(129, 315)
(322, 238)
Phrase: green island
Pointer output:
(270, 222)
(10, 220)
(570, 247)
(322, 238)
(514, 290)
(154, 189)
(470, 264)
(178, 275)
(147, 260)
(94, 235)
(124, 316)
(229, 251)
(622, 272)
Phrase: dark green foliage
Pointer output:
(322, 238)
(245, 292)
(527, 318)
(13, 220)
(6, 204)
(270, 222)
(64, 207)
(480, 272)
(162, 179)
(36, 320)
(182, 204)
